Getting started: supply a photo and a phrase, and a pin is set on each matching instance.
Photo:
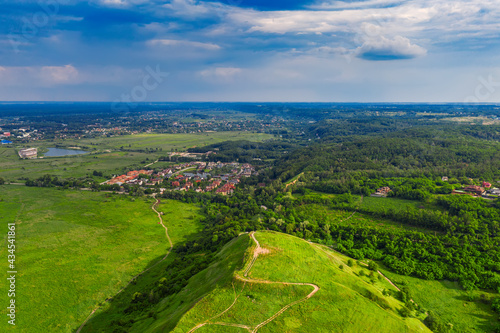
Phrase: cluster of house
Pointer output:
(485, 191)
(130, 178)
(184, 181)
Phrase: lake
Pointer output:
(56, 152)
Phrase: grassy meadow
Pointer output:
(109, 155)
(316, 212)
(76, 248)
(343, 303)
(451, 303)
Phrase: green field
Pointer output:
(346, 302)
(77, 248)
(375, 203)
(315, 212)
(110, 155)
(451, 303)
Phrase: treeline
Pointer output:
(53, 181)
(462, 250)
(405, 188)
(406, 154)
(244, 151)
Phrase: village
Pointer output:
(201, 177)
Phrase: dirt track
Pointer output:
(144, 271)
(258, 250)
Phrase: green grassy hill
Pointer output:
(279, 294)
(77, 248)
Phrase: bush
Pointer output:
(435, 324)
(405, 312)
(372, 265)
(495, 305)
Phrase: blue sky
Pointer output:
(251, 50)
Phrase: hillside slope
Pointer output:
(286, 284)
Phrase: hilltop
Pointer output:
(281, 283)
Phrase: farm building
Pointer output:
(28, 153)
(473, 189)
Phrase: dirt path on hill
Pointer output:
(259, 250)
(141, 273)
(350, 216)
(150, 164)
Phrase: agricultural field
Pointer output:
(109, 155)
(165, 142)
(76, 249)
(451, 303)
(346, 301)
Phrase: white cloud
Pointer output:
(183, 43)
(383, 48)
(120, 3)
(413, 18)
(67, 75)
(59, 74)
(192, 9)
(220, 73)
(39, 76)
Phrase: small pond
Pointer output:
(57, 152)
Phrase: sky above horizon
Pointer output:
(250, 50)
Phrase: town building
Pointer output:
(28, 153)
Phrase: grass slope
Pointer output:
(218, 275)
(75, 249)
(451, 303)
(346, 302)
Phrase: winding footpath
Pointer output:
(350, 216)
(141, 273)
(258, 250)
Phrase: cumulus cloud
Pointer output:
(383, 48)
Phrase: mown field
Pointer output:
(109, 155)
(76, 249)
(346, 301)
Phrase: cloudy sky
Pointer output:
(250, 50)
